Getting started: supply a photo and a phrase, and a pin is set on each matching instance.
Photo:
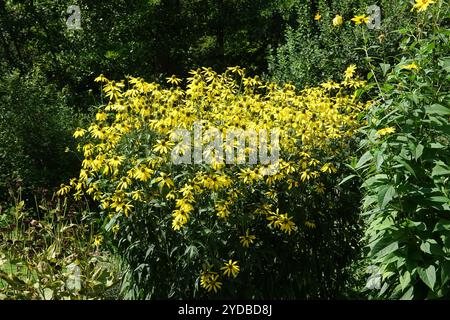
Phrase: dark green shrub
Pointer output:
(315, 51)
(35, 129)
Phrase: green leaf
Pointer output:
(409, 295)
(346, 179)
(420, 226)
(428, 276)
(380, 159)
(405, 280)
(444, 63)
(386, 250)
(437, 109)
(431, 247)
(439, 199)
(376, 180)
(365, 158)
(445, 272)
(407, 167)
(419, 151)
(441, 169)
(385, 195)
(442, 225)
(437, 145)
(191, 251)
(385, 68)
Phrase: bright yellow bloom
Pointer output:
(317, 17)
(210, 281)
(63, 190)
(338, 20)
(173, 80)
(422, 5)
(115, 228)
(231, 269)
(163, 146)
(411, 66)
(360, 19)
(247, 239)
(142, 173)
(285, 223)
(101, 116)
(386, 131)
(101, 78)
(98, 239)
(164, 180)
(79, 133)
(350, 71)
(328, 168)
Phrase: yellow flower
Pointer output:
(317, 17)
(328, 168)
(247, 239)
(164, 180)
(330, 85)
(79, 133)
(338, 20)
(310, 224)
(98, 239)
(101, 116)
(411, 66)
(101, 78)
(360, 19)
(422, 5)
(286, 224)
(173, 80)
(210, 281)
(231, 269)
(163, 146)
(142, 173)
(350, 71)
(63, 190)
(320, 188)
(115, 228)
(386, 131)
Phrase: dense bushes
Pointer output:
(35, 130)
(326, 39)
(406, 168)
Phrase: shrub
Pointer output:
(35, 130)
(406, 168)
(315, 50)
(235, 230)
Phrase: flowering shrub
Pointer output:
(239, 229)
